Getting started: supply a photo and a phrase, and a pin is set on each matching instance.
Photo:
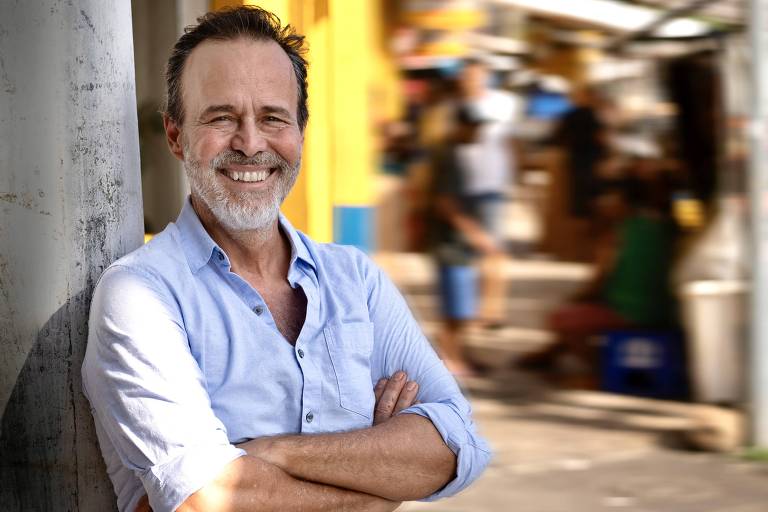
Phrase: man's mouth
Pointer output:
(247, 176)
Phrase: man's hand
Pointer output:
(483, 242)
(392, 396)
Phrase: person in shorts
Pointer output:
(458, 236)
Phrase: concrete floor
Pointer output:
(565, 450)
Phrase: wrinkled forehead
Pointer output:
(238, 72)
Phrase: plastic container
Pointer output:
(715, 319)
(644, 363)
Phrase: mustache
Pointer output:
(262, 158)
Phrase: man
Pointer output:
(582, 139)
(231, 361)
(457, 235)
(488, 166)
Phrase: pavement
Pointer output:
(564, 448)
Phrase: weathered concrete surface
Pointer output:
(70, 203)
(561, 450)
(550, 456)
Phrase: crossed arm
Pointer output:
(401, 457)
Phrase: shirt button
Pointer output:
(221, 257)
(309, 417)
(258, 310)
(301, 353)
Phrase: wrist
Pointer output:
(275, 451)
(267, 449)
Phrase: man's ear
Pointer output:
(173, 137)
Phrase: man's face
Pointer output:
(240, 140)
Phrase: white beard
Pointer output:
(244, 211)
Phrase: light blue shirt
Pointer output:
(184, 360)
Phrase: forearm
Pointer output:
(250, 484)
(469, 228)
(402, 459)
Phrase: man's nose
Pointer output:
(249, 140)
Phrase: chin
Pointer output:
(236, 218)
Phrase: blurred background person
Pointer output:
(630, 288)
(582, 140)
(457, 235)
(582, 136)
(489, 166)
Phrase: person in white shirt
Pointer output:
(489, 166)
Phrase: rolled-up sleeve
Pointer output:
(399, 344)
(147, 392)
(472, 451)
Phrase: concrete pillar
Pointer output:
(758, 17)
(70, 203)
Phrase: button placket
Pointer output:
(311, 396)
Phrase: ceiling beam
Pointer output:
(689, 9)
(608, 15)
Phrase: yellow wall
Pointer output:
(318, 138)
(350, 116)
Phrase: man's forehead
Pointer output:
(222, 67)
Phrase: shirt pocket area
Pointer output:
(349, 346)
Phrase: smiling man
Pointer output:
(235, 364)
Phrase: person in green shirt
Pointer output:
(630, 287)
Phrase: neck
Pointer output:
(254, 254)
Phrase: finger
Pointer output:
(407, 396)
(379, 388)
(389, 396)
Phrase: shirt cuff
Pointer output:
(170, 483)
(472, 451)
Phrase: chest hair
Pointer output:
(288, 307)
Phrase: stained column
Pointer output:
(70, 203)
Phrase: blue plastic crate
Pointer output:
(644, 363)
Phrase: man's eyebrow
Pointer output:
(217, 108)
(274, 109)
(266, 109)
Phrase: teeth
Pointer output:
(249, 176)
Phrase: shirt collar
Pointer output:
(299, 249)
(199, 247)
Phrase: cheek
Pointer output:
(208, 146)
(288, 146)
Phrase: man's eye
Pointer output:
(220, 119)
(273, 119)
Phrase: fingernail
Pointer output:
(410, 386)
(400, 375)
